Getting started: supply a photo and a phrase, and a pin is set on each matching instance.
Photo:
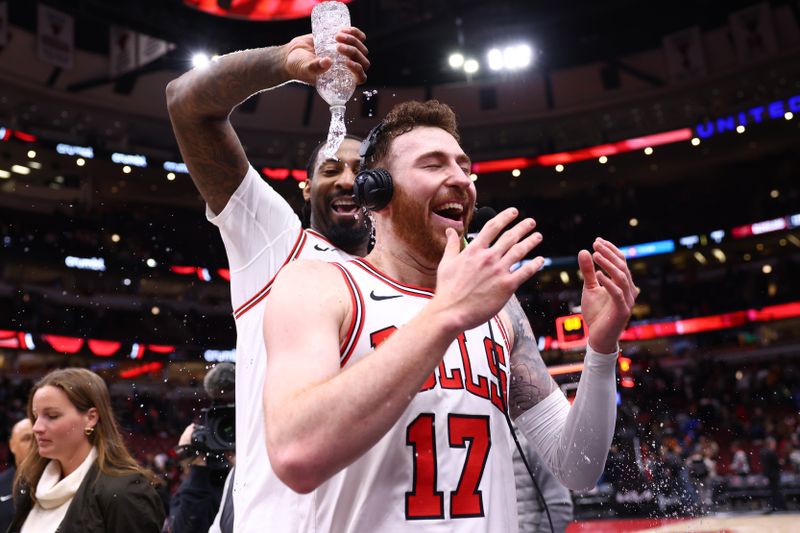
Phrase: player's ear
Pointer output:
(307, 191)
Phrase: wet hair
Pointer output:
(406, 116)
(85, 390)
(311, 166)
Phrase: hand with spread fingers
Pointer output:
(473, 284)
(608, 294)
(302, 64)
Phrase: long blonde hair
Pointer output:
(85, 390)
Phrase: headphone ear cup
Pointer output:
(373, 189)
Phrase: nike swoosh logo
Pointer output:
(320, 248)
(378, 298)
(5, 498)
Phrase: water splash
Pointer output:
(336, 131)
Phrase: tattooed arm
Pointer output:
(200, 103)
(530, 381)
(574, 440)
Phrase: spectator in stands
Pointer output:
(771, 468)
(701, 469)
(740, 464)
(78, 475)
(672, 480)
(19, 444)
(793, 453)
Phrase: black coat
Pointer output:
(6, 503)
(105, 504)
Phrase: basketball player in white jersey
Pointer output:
(260, 231)
(389, 375)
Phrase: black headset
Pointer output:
(373, 187)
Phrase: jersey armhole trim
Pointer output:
(357, 320)
(264, 291)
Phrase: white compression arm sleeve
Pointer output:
(575, 440)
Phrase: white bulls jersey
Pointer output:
(446, 465)
(261, 234)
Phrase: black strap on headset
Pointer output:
(373, 187)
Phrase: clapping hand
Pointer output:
(608, 294)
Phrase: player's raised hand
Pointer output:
(303, 64)
(608, 294)
(475, 283)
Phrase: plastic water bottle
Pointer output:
(337, 84)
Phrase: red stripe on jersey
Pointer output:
(320, 236)
(262, 293)
(502, 329)
(357, 322)
(410, 290)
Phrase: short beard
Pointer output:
(349, 238)
(412, 228)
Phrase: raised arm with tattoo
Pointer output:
(575, 440)
(530, 381)
(200, 103)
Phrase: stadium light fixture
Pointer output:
(513, 57)
(495, 57)
(471, 66)
(456, 60)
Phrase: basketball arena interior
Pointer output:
(670, 129)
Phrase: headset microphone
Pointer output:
(373, 187)
(481, 216)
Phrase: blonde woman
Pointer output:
(78, 476)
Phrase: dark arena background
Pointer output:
(670, 128)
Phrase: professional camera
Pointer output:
(218, 432)
(215, 435)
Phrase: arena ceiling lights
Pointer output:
(510, 58)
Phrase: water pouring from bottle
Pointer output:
(337, 84)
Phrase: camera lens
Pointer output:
(226, 429)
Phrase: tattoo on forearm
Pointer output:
(201, 103)
(530, 380)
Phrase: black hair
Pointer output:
(311, 167)
(305, 211)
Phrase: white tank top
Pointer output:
(446, 465)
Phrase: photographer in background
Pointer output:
(209, 451)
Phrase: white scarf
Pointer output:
(53, 495)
